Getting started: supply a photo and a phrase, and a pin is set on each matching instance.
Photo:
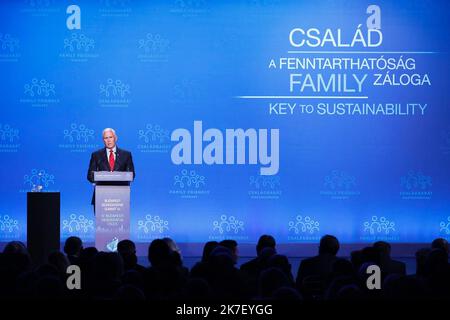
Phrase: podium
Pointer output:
(112, 208)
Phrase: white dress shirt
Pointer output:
(108, 151)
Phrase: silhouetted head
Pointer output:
(436, 262)
(127, 250)
(59, 260)
(207, 249)
(87, 257)
(371, 254)
(384, 248)
(15, 247)
(172, 244)
(329, 244)
(440, 243)
(233, 246)
(175, 251)
(159, 252)
(15, 257)
(221, 257)
(126, 247)
(265, 241)
(73, 246)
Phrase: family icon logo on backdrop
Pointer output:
(228, 227)
(339, 185)
(9, 228)
(416, 186)
(76, 138)
(9, 47)
(9, 139)
(115, 8)
(152, 227)
(39, 93)
(38, 180)
(303, 228)
(153, 48)
(379, 228)
(41, 8)
(188, 184)
(154, 139)
(114, 94)
(187, 91)
(264, 187)
(189, 8)
(78, 47)
(78, 225)
(78, 42)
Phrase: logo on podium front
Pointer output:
(112, 245)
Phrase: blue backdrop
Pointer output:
(363, 160)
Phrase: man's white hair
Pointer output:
(109, 129)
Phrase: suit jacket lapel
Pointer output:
(105, 159)
(117, 161)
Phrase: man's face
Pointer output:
(109, 139)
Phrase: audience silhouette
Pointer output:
(324, 277)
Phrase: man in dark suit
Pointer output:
(315, 271)
(110, 158)
(389, 265)
(253, 268)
